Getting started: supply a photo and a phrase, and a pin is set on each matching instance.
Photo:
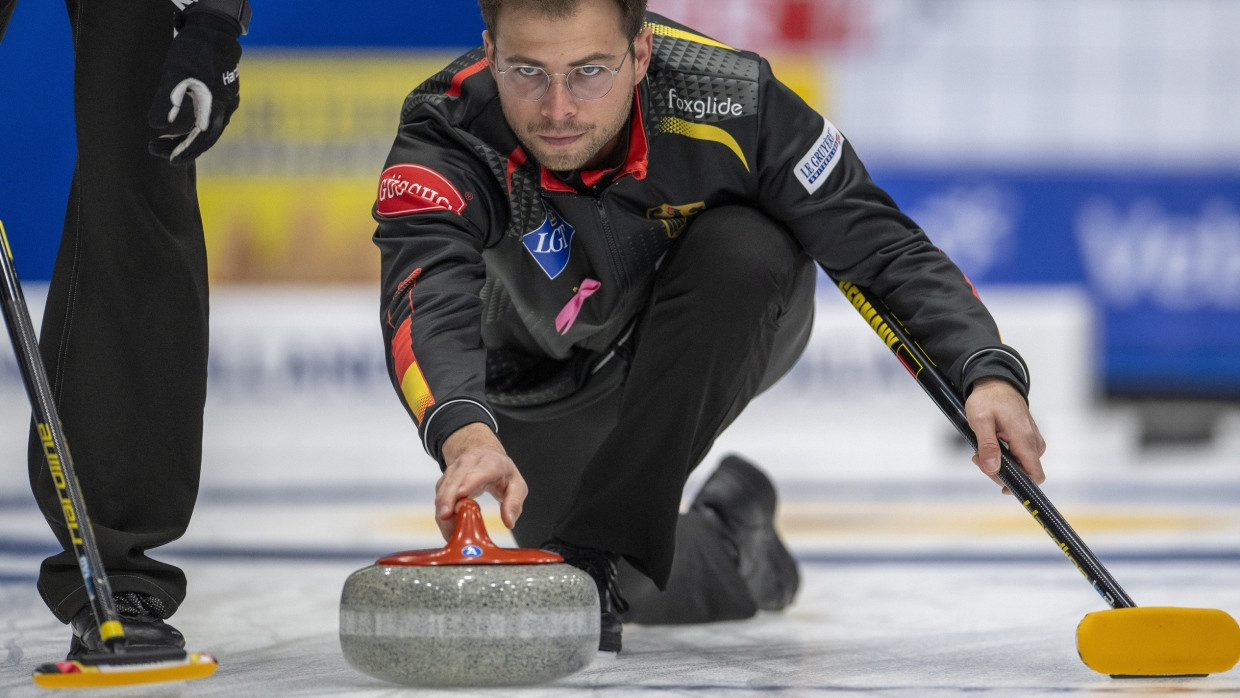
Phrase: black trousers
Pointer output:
(731, 312)
(124, 333)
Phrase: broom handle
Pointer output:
(56, 449)
(936, 385)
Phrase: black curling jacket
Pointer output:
(505, 285)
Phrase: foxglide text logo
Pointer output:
(702, 108)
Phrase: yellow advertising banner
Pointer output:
(286, 193)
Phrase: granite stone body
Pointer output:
(484, 625)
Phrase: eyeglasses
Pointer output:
(529, 83)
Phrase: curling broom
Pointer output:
(1125, 641)
(119, 664)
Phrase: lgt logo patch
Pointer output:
(551, 242)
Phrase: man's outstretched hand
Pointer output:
(997, 412)
(477, 463)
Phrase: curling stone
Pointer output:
(469, 614)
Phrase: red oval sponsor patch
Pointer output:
(408, 188)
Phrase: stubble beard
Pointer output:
(594, 139)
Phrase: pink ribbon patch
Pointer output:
(568, 314)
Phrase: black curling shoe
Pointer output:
(601, 566)
(742, 499)
(141, 617)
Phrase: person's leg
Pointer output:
(706, 583)
(731, 311)
(550, 453)
(734, 306)
(728, 562)
(6, 13)
(124, 333)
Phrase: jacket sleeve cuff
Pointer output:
(999, 361)
(444, 420)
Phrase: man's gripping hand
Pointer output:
(199, 70)
(475, 463)
(997, 412)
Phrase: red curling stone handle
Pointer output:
(470, 545)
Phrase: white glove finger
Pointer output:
(176, 97)
(189, 139)
(200, 94)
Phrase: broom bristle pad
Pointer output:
(1159, 641)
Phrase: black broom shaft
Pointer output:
(936, 385)
(55, 446)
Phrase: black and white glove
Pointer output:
(201, 65)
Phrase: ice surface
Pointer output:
(920, 579)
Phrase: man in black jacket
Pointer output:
(599, 233)
(124, 332)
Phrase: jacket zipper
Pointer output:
(619, 271)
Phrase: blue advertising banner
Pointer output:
(1158, 250)
(1159, 253)
(37, 142)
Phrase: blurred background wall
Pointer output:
(1080, 159)
(1091, 143)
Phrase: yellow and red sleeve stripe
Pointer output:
(412, 383)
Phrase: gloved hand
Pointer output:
(202, 65)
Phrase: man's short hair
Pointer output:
(632, 12)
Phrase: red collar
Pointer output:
(634, 163)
